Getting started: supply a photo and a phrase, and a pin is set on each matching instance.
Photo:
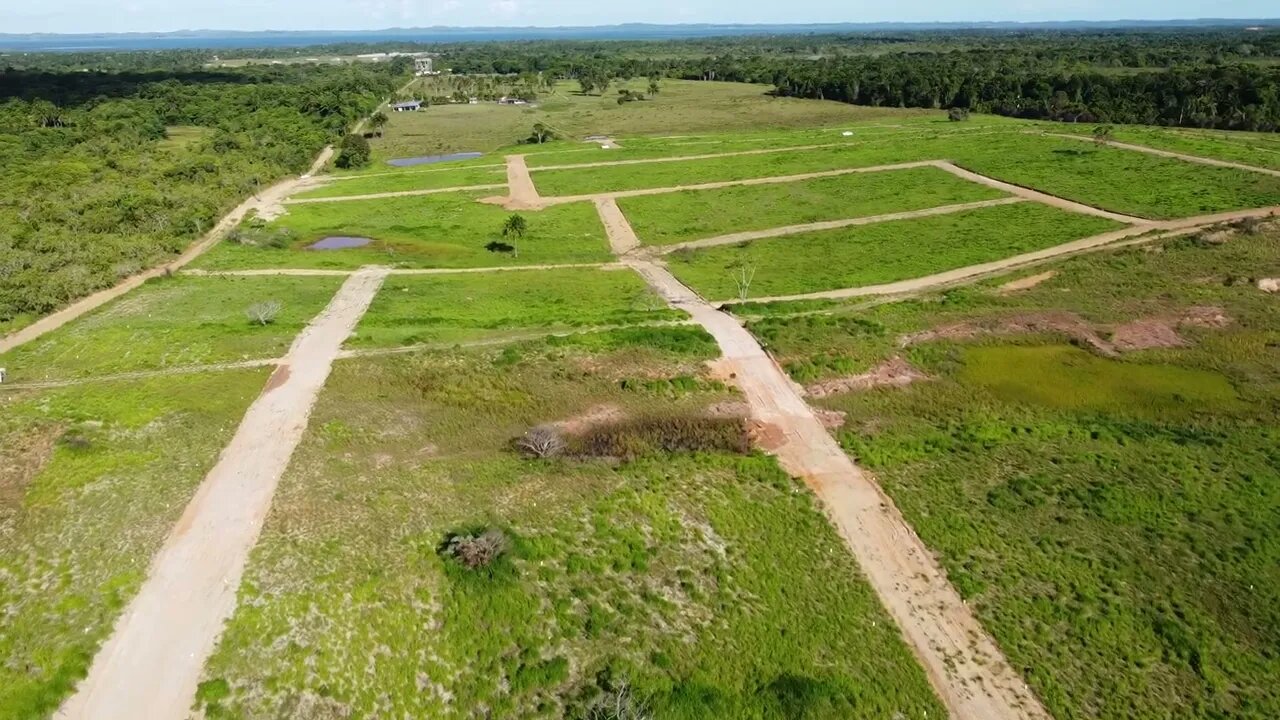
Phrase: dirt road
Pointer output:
(1171, 154)
(962, 662)
(622, 239)
(522, 194)
(705, 156)
(150, 665)
(734, 238)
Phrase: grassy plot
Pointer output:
(1110, 520)
(408, 180)
(658, 575)
(1103, 289)
(92, 480)
(883, 252)
(680, 107)
(1121, 180)
(171, 322)
(448, 308)
(448, 230)
(693, 214)
(1257, 149)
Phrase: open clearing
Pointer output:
(1071, 504)
(879, 253)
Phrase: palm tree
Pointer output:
(515, 228)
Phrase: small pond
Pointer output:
(433, 159)
(339, 242)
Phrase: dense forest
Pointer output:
(105, 173)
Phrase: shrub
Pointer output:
(958, 114)
(353, 152)
(263, 313)
(477, 551)
(628, 439)
(543, 441)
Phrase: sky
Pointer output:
(73, 16)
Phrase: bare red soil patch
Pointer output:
(894, 372)
(1028, 282)
(592, 417)
(1050, 321)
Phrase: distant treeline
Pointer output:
(1220, 79)
(104, 174)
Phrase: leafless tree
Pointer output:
(477, 551)
(263, 313)
(619, 703)
(543, 441)
(742, 278)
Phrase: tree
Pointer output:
(958, 114)
(515, 227)
(1102, 134)
(377, 122)
(353, 152)
(541, 134)
(587, 83)
(653, 86)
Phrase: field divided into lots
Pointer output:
(451, 230)
(880, 253)
(92, 480)
(448, 308)
(172, 322)
(657, 575)
(434, 179)
(696, 214)
(1111, 178)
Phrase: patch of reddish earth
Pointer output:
(1051, 321)
(728, 409)
(25, 455)
(1028, 282)
(894, 372)
(830, 419)
(1205, 316)
(1144, 335)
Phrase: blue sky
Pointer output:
(158, 15)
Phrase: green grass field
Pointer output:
(1109, 519)
(694, 214)
(448, 308)
(1257, 149)
(1120, 180)
(399, 181)
(93, 479)
(681, 107)
(880, 253)
(171, 322)
(450, 230)
(403, 451)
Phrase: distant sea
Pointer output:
(213, 39)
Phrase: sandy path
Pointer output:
(151, 664)
(1036, 195)
(140, 374)
(360, 176)
(398, 193)
(963, 664)
(521, 192)
(733, 238)
(622, 239)
(1171, 154)
(773, 180)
